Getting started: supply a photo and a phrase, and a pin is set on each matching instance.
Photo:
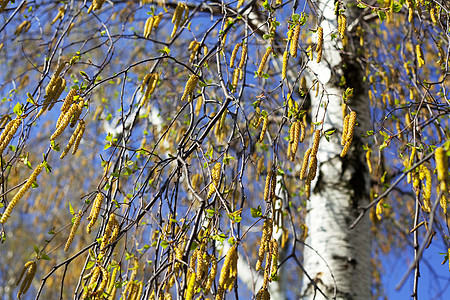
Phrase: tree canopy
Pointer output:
(159, 150)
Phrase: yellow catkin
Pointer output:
(305, 164)
(312, 169)
(95, 210)
(73, 230)
(191, 84)
(410, 163)
(76, 114)
(441, 168)
(274, 250)
(264, 128)
(8, 133)
(79, 137)
(267, 185)
(319, 46)
(212, 274)
(420, 57)
(243, 56)
(234, 53)
(262, 246)
(235, 78)
(148, 27)
(96, 5)
(294, 41)
(108, 231)
(379, 210)
(189, 294)
(303, 132)
(60, 15)
(349, 135)
(285, 62)
(315, 146)
(73, 138)
(426, 187)
(30, 268)
(342, 25)
(69, 100)
(66, 120)
(229, 271)
(294, 138)
(20, 194)
(369, 164)
(105, 278)
(215, 178)
(264, 61)
(178, 18)
(345, 130)
(112, 281)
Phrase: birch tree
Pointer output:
(207, 149)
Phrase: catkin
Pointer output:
(178, 18)
(345, 130)
(274, 250)
(148, 27)
(267, 185)
(229, 271)
(79, 137)
(212, 274)
(96, 5)
(285, 62)
(215, 176)
(20, 193)
(264, 128)
(190, 288)
(243, 56)
(424, 173)
(369, 164)
(95, 210)
(73, 139)
(305, 164)
(30, 267)
(73, 230)
(315, 146)
(66, 119)
(319, 46)
(191, 84)
(349, 135)
(264, 61)
(342, 25)
(420, 57)
(294, 138)
(441, 168)
(8, 133)
(294, 41)
(234, 53)
(312, 169)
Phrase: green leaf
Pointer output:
(90, 264)
(381, 15)
(71, 209)
(397, 7)
(45, 256)
(164, 244)
(256, 212)
(361, 5)
(164, 50)
(36, 249)
(18, 109)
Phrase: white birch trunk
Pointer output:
(336, 258)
